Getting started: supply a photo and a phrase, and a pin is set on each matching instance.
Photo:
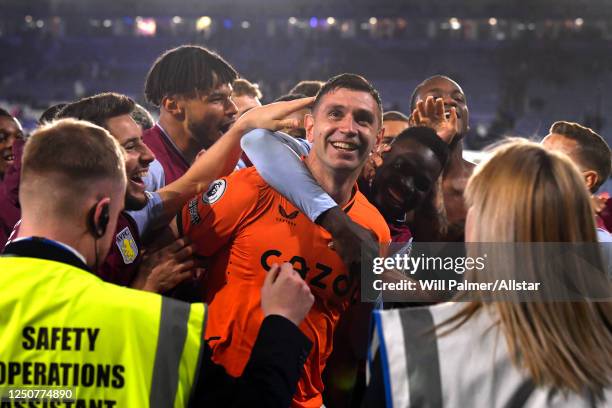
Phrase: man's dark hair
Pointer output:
(99, 108)
(186, 70)
(308, 88)
(5, 113)
(421, 85)
(51, 112)
(242, 87)
(592, 152)
(427, 137)
(395, 116)
(143, 117)
(289, 97)
(353, 82)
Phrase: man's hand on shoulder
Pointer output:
(352, 241)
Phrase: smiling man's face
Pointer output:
(209, 116)
(344, 128)
(10, 130)
(137, 158)
(408, 174)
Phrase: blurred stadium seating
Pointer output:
(520, 68)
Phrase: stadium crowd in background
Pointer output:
(252, 225)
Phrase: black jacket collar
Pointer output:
(43, 248)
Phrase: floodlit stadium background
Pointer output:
(522, 64)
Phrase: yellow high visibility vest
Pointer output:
(63, 327)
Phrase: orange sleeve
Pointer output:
(211, 219)
(384, 235)
(365, 214)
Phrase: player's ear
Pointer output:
(308, 126)
(174, 106)
(590, 178)
(99, 217)
(379, 137)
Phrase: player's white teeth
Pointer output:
(344, 146)
(137, 177)
(447, 113)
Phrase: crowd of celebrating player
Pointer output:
(266, 214)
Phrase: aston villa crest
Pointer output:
(127, 246)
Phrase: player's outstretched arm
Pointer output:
(222, 156)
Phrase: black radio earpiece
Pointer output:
(104, 217)
(98, 229)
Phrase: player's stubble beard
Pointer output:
(202, 134)
(135, 204)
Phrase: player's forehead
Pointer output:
(439, 85)
(246, 100)
(394, 127)
(349, 99)
(408, 147)
(123, 128)
(218, 90)
(9, 124)
(421, 156)
(224, 89)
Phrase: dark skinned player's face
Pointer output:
(407, 175)
(209, 116)
(452, 95)
(10, 130)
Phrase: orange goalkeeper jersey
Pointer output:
(245, 226)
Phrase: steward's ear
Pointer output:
(100, 217)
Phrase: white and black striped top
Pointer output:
(412, 366)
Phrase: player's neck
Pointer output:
(455, 160)
(186, 144)
(339, 185)
(54, 231)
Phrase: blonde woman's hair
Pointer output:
(524, 193)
